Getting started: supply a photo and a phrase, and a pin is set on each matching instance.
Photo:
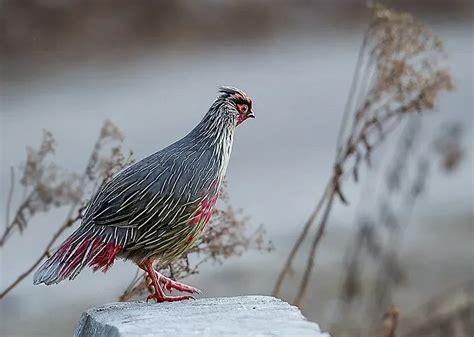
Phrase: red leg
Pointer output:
(172, 284)
(159, 296)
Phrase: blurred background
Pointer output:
(153, 68)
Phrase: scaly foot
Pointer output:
(172, 284)
(159, 295)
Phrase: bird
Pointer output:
(153, 212)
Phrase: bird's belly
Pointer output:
(175, 238)
(190, 233)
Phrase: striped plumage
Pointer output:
(155, 209)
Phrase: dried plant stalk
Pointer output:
(399, 72)
(390, 322)
(46, 186)
(378, 239)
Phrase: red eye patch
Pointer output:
(243, 108)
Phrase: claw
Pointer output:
(169, 284)
(164, 298)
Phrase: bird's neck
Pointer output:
(216, 135)
(215, 128)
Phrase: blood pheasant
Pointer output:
(155, 210)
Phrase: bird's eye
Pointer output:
(243, 108)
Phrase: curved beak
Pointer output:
(251, 114)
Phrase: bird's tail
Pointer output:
(81, 249)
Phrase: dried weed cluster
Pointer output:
(399, 73)
(372, 271)
(46, 185)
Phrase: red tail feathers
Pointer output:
(74, 254)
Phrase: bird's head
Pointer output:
(233, 105)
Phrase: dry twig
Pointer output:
(398, 73)
(390, 322)
(47, 186)
(378, 238)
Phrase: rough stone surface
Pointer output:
(224, 316)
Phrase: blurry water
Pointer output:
(279, 164)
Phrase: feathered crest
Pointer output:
(234, 93)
